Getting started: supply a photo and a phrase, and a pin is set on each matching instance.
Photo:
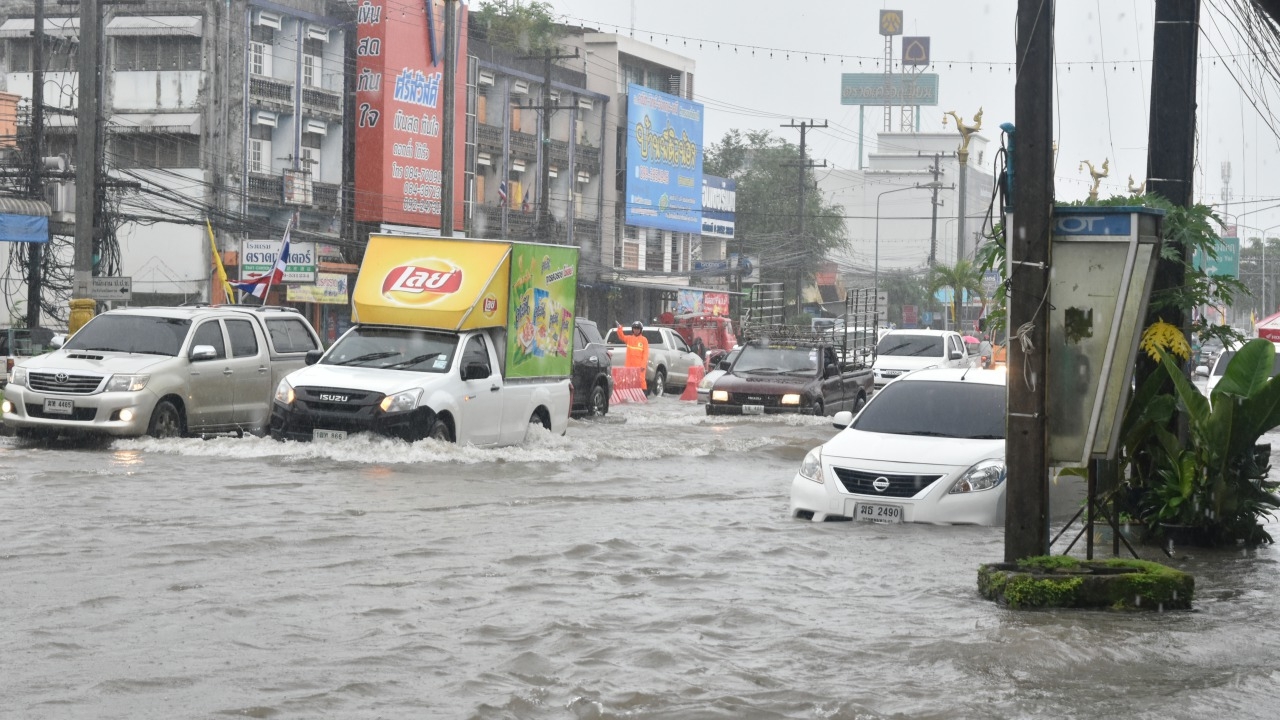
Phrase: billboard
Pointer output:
(544, 289)
(1226, 263)
(664, 161)
(889, 89)
(399, 110)
(719, 202)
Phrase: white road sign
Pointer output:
(111, 288)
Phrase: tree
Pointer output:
(903, 288)
(962, 277)
(527, 27)
(765, 168)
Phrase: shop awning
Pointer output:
(154, 25)
(185, 123)
(23, 220)
(53, 27)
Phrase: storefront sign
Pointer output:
(329, 289)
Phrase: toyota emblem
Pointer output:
(880, 484)
(60, 377)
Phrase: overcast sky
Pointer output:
(746, 80)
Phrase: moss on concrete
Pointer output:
(1064, 581)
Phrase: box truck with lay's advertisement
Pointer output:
(468, 341)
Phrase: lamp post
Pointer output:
(876, 282)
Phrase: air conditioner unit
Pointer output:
(315, 32)
(520, 87)
(517, 166)
(586, 104)
(318, 127)
(555, 96)
(264, 117)
(485, 79)
(269, 19)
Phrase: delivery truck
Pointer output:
(460, 340)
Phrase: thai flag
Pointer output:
(525, 206)
(502, 193)
(258, 287)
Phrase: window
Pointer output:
(59, 55)
(290, 335)
(477, 353)
(259, 59)
(210, 333)
(146, 150)
(260, 148)
(309, 155)
(244, 341)
(158, 52)
(311, 71)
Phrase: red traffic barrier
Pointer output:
(627, 386)
(691, 388)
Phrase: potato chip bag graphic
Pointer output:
(541, 323)
(566, 331)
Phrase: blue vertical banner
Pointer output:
(664, 161)
(719, 206)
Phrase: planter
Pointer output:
(1067, 582)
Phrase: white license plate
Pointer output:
(318, 434)
(59, 407)
(879, 513)
(752, 409)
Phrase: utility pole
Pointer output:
(804, 177)
(89, 66)
(936, 170)
(447, 134)
(35, 251)
(543, 222)
(1026, 444)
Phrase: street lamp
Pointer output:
(876, 283)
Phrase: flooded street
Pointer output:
(640, 567)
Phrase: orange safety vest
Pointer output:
(637, 354)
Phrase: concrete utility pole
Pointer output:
(936, 170)
(1026, 445)
(543, 222)
(89, 66)
(804, 166)
(36, 250)
(447, 134)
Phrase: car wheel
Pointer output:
(166, 421)
(439, 430)
(598, 402)
(659, 383)
(818, 408)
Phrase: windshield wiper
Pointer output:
(762, 371)
(929, 433)
(367, 357)
(413, 360)
(984, 437)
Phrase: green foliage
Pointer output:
(904, 288)
(991, 257)
(1065, 581)
(515, 25)
(766, 168)
(964, 276)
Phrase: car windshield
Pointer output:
(910, 345)
(142, 334)
(1220, 367)
(955, 409)
(776, 361)
(394, 349)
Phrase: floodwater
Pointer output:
(641, 567)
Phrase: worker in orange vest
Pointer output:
(637, 351)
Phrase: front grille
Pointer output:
(82, 414)
(858, 482)
(755, 399)
(356, 401)
(63, 383)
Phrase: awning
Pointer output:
(23, 206)
(154, 25)
(187, 123)
(53, 27)
(23, 220)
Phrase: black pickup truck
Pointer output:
(791, 376)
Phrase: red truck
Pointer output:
(710, 336)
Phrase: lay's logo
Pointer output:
(419, 280)
(490, 305)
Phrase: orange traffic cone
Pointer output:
(691, 388)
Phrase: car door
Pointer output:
(586, 366)
(682, 358)
(482, 401)
(833, 390)
(210, 397)
(250, 375)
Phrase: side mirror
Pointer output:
(313, 356)
(724, 365)
(57, 341)
(1202, 371)
(475, 371)
(956, 355)
(203, 352)
(842, 420)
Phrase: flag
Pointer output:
(524, 206)
(502, 194)
(258, 287)
(217, 261)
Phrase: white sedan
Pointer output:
(927, 448)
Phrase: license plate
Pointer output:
(879, 513)
(318, 434)
(59, 407)
(752, 409)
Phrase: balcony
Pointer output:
(271, 92)
(322, 102)
(268, 190)
(523, 145)
(489, 138)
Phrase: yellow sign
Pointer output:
(433, 283)
(890, 22)
(330, 289)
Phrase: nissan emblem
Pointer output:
(880, 484)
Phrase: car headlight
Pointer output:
(985, 475)
(791, 399)
(19, 376)
(127, 383)
(284, 393)
(719, 396)
(401, 402)
(811, 468)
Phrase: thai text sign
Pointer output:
(329, 289)
(1226, 263)
(889, 89)
(719, 203)
(399, 114)
(664, 161)
(257, 257)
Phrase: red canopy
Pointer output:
(1269, 327)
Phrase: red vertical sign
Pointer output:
(400, 112)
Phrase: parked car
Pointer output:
(18, 344)
(669, 357)
(161, 371)
(592, 376)
(928, 448)
(901, 351)
(1214, 372)
(709, 380)
(790, 377)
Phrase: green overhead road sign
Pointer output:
(1226, 263)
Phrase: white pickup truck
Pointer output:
(415, 383)
(669, 357)
(901, 351)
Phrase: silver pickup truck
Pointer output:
(669, 357)
(161, 371)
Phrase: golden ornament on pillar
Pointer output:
(1096, 174)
